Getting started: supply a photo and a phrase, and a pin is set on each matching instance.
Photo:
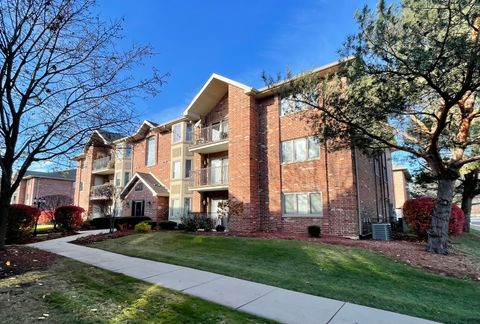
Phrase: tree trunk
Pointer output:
(467, 210)
(438, 232)
(4, 207)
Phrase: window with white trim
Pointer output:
(176, 170)
(177, 133)
(303, 204)
(118, 179)
(151, 151)
(300, 149)
(292, 105)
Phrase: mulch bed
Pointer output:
(44, 237)
(101, 237)
(406, 249)
(16, 260)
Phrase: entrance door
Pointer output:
(137, 208)
(214, 210)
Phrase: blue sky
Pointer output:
(237, 39)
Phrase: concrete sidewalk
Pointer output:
(265, 301)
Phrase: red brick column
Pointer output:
(243, 159)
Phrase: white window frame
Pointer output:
(290, 106)
(177, 175)
(296, 213)
(293, 154)
(148, 148)
(176, 136)
(118, 179)
(173, 209)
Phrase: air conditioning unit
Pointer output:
(381, 232)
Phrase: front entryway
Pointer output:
(138, 208)
(214, 210)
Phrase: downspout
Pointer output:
(328, 187)
(357, 189)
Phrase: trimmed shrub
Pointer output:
(205, 223)
(21, 219)
(314, 230)
(417, 214)
(69, 218)
(143, 227)
(181, 227)
(190, 223)
(129, 222)
(220, 228)
(167, 225)
(100, 222)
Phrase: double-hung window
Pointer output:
(151, 150)
(302, 204)
(177, 133)
(176, 170)
(188, 169)
(300, 149)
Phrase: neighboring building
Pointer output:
(42, 184)
(238, 144)
(401, 177)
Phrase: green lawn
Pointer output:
(468, 243)
(72, 292)
(44, 228)
(349, 274)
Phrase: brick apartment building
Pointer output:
(45, 184)
(239, 144)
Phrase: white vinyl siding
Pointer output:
(151, 150)
(300, 149)
(303, 204)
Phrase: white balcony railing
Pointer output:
(210, 134)
(103, 163)
(212, 176)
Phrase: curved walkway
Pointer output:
(270, 302)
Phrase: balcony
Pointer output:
(101, 192)
(210, 139)
(104, 165)
(210, 179)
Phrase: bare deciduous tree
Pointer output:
(61, 76)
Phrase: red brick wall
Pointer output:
(219, 112)
(308, 176)
(157, 204)
(82, 198)
(243, 159)
(161, 169)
